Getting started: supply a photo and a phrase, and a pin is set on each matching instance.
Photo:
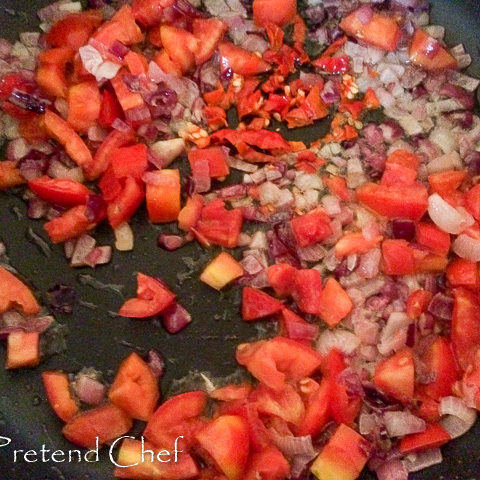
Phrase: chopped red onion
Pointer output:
(119, 50)
(392, 470)
(28, 102)
(37, 208)
(175, 318)
(170, 242)
(292, 446)
(166, 151)
(89, 390)
(455, 426)
(156, 363)
(403, 229)
(99, 256)
(85, 244)
(313, 253)
(61, 298)
(441, 306)
(364, 14)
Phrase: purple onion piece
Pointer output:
(96, 208)
(61, 298)
(156, 363)
(175, 318)
(411, 335)
(441, 306)
(119, 50)
(403, 229)
(473, 162)
(170, 242)
(28, 102)
(186, 8)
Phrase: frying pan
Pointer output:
(97, 338)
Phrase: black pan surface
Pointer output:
(100, 340)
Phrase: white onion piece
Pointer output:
(455, 426)
(343, 340)
(259, 241)
(467, 247)
(107, 70)
(124, 239)
(331, 204)
(168, 150)
(456, 406)
(420, 460)
(91, 58)
(446, 217)
(392, 470)
(394, 334)
(399, 424)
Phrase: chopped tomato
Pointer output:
(472, 201)
(396, 173)
(102, 424)
(463, 273)
(281, 278)
(63, 192)
(269, 464)
(352, 243)
(241, 61)
(149, 12)
(61, 131)
(317, 411)
(277, 360)
(381, 31)
(433, 437)
(226, 439)
(445, 183)
(313, 227)
(338, 186)
(278, 12)
(136, 63)
(170, 420)
(58, 393)
(335, 304)
(209, 32)
(417, 303)
(307, 290)
(110, 109)
(426, 52)
(232, 392)
(59, 56)
(121, 27)
(129, 161)
(68, 225)
(257, 304)
(84, 105)
(128, 100)
(152, 298)
(216, 158)
(404, 158)
(296, 328)
(51, 79)
(180, 45)
(163, 196)
(432, 237)
(465, 326)
(395, 201)
(219, 225)
(395, 375)
(398, 257)
(440, 363)
(10, 175)
(135, 388)
(335, 65)
(190, 213)
(163, 60)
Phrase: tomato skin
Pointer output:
(226, 439)
(465, 326)
(57, 388)
(279, 12)
(163, 197)
(74, 30)
(313, 227)
(241, 61)
(135, 388)
(395, 375)
(398, 257)
(269, 464)
(110, 109)
(417, 303)
(335, 303)
(440, 362)
(165, 425)
(421, 54)
(68, 225)
(381, 31)
(257, 304)
(63, 192)
(395, 201)
(106, 423)
(463, 273)
(152, 298)
(84, 105)
(433, 437)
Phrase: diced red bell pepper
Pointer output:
(110, 185)
(68, 225)
(463, 273)
(264, 139)
(135, 388)
(281, 277)
(257, 304)
(472, 201)
(343, 457)
(398, 258)
(14, 292)
(190, 213)
(58, 191)
(313, 227)
(219, 225)
(152, 298)
(395, 201)
(10, 175)
(307, 290)
(180, 45)
(446, 182)
(110, 109)
(209, 32)
(433, 437)
(426, 52)
(129, 161)
(440, 363)
(105, 423)
(216, 157)
(138, 463)
(242, 61)
(61, 131)
(23, 349)
(163, 196)
(465, 326)
(115, 139)
(170, 418)
(74, 30)
(278, 12)
(277, 360)
(417, 303)
(381, 31)
(335, 304)
(352, 243)
(226, 439)
(432, 237)
(58, 393)
(395, 375)
(84, 105)
(269, 464)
